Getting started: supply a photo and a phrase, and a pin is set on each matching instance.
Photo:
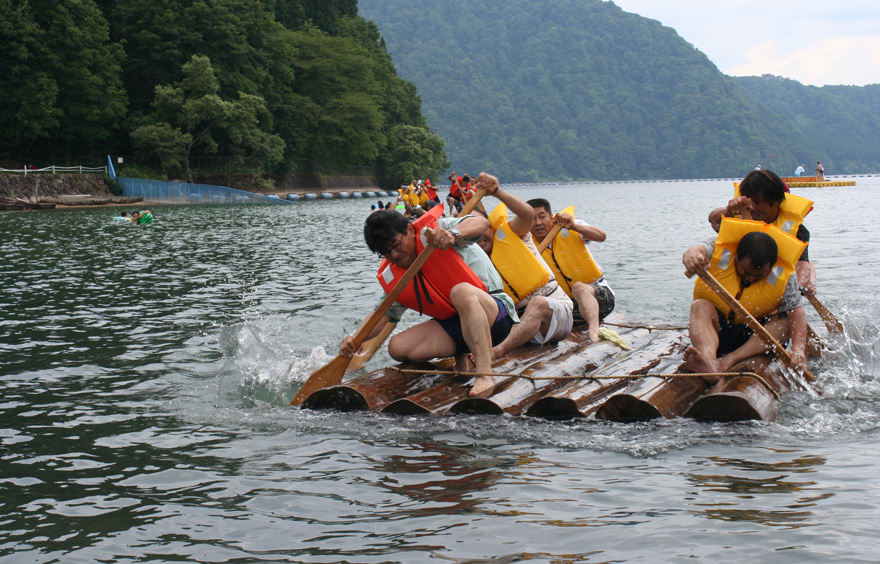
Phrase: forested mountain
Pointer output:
(529, 89)
(579, 89)
(272, 83)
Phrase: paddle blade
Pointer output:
(328, 375)
(369, 348)
(831, 322)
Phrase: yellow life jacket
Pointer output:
(521, 271)
(408, 195)
(792, 211)
(763, 296)
(570, 259)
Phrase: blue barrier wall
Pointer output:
(186, 193)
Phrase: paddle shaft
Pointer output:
(750, 320)
(332, 373)
(549, 238)
(369, 348)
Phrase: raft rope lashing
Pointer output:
(757, 377)
(648, 327)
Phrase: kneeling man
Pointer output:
(755, 262)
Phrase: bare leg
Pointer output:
(704, 331)
(585, 296)
(477, 311)
(535, 319)
(422, 342)
(778, 328)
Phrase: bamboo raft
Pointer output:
(814, 182)
(571, 379)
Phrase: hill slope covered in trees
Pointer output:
(580, 89)
(844, 120)
(252, 84)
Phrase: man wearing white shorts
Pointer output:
(546, 314)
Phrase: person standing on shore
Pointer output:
(820, 171)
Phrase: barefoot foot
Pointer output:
(697, 362)
(482, 387)
(497, 352)
(464, 363)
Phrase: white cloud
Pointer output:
(814, 43)
(830, 60)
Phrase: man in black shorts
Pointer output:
(722, 343)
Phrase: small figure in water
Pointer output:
(142, 217)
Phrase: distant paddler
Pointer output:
(569, 257)
(456, 198)
(457, 287)
(755, 263)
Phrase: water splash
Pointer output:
(259, 365)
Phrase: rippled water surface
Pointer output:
(146, 372)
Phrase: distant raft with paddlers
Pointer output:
(814, 182)
(633, 374)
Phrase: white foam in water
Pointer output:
(850, 379)
(260, 367)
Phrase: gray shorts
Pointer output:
(560, 323)
(605, 299)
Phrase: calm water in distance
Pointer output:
(146, 373)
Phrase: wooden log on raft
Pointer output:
(375, 390)
(512, 394)
(742, 397)
(573, 399)
(662, 352)
(653, 396)
(516, 395)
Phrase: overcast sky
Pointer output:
(818, 43)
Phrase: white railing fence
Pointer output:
(57, 169)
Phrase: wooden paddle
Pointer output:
(831, 322)
(753, 323)
(549, 238)
(370, 347)
(331, 374)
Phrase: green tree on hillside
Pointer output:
(61, 92)
(415, 152)
(341, 99)
(324, 14)
(191, 115)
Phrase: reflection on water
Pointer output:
(749, 480)
(456, 475)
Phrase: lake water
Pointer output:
(146, 373)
